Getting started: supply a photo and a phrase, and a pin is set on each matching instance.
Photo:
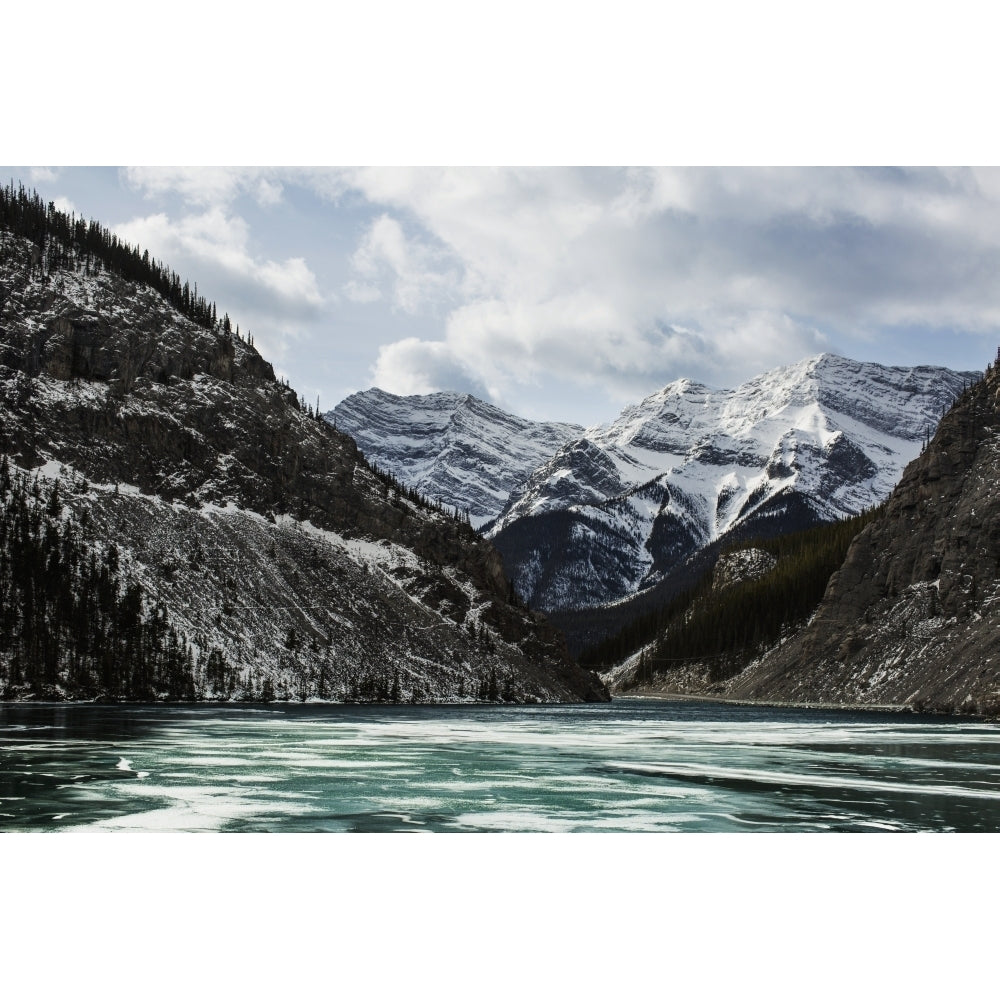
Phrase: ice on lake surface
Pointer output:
(633, 765)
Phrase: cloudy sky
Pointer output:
(567, 293)
(559, 293)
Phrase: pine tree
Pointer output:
(67, 617)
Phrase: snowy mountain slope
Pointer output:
(299, 611)
(912, 617)
(258, 527)
(614, 511)
(450, 446)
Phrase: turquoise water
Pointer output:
(633, 765)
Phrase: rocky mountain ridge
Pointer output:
(451, 447)
(260, 526)
(615, 511)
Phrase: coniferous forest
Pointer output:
(68, 620)
(64, 241)
(724, 628)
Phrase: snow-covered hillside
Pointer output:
(615, 510)
(450, 446)
(257, 527)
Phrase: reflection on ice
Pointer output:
(654, 767)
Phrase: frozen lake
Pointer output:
(633, 765)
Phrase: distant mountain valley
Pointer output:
(615, 517)
(176, 524)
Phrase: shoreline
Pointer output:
(823, 706)
(657, 696)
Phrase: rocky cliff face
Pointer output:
(913, 616)
(450, 446)
(252, 520)
(744, 565)
(614, 512)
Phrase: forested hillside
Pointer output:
(240, 546)
(70, 623)
(62, 241)
(721, 624)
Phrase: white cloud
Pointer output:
(268, 192)
(42, 175)
(221, 241)
(412, 367)
(205, 186)
(360, 291)
(628, 278)
(65, 205)
(416, 272)
(614, 280)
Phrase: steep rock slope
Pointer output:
(615, 511)
(259, 526)
(450, 446)
(913, 616)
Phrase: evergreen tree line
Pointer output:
(371, 684)
(972, 428)
(66, 242)
(391, 482)
(69, 621)
(379, 685)
(968, 385)
(725, 627)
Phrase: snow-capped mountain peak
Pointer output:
(450, 446)
(586, 517)
(821, 439)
